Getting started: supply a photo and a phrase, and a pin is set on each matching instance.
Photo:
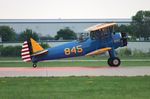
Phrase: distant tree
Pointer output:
(7, 33)
(27, 34)
(124, 28)
(66, 34)
(141, 24)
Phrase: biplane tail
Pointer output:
(25, 52)
(30, 49)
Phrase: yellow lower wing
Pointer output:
(99, 51)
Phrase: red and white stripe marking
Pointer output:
(25, 54)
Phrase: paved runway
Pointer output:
(73, 71)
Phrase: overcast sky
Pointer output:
(70, 9)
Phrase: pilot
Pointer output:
(81, 38)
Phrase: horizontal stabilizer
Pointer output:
(39, 52)
(99, 51)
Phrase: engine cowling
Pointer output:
(120, 39)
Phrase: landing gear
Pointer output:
(34, 65)
(114, 62)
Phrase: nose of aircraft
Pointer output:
(124, 39)
(120, 38)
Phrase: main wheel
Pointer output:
(109, 61)
(34, 65)
(114, 62)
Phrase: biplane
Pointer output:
(102, 38)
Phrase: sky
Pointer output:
(71, 9)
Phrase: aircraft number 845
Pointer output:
(74, 50)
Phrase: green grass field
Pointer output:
(97, 57)
(60, 64)
(75, 63)
(75, 88)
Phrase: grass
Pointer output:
(96, 57)
(74, 63)
(59, 64)
(75, 88)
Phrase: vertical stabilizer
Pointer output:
(35, 46)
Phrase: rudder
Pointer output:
(25, 52)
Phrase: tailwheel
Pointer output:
(34, 65)
(114, 62)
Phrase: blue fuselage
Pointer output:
(77, 48)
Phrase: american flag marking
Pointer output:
(25, 54)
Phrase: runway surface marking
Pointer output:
(73, 71)
(48, 68)
(74, 60)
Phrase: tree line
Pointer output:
(8, 34)
(139, 27)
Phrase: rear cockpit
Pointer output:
(83, 36)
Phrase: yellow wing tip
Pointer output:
(100, 26)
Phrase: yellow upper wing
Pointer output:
(100, 26)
